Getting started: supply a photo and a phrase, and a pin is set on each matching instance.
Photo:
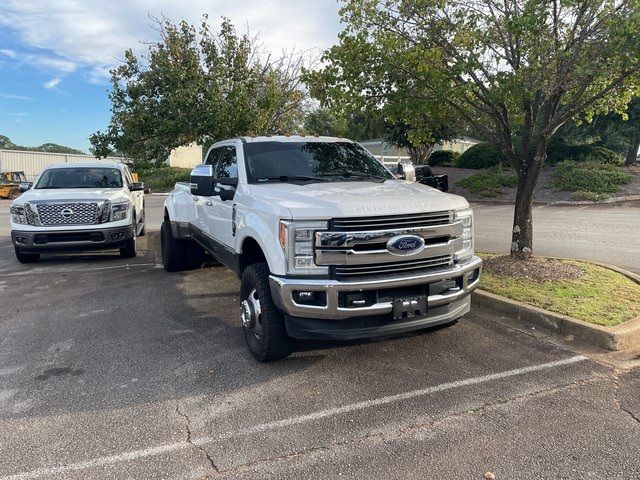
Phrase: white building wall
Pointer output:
(187, 156)
(32, 163)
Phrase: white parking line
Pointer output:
(71, 270)
(154, 451)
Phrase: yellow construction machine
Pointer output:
(10, 184)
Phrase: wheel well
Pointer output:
(166, 215)
(251, 253)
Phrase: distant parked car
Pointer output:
(425, 176)
(78, 207)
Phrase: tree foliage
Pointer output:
(199, 86)
(510, 69)
(7, 144)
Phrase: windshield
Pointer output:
(80, 178)
(298, 162)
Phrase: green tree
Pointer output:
(323, 122)
(199, 86)
(619, 132)
(513, 70)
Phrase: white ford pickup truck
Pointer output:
(78, 207)
(327, 242)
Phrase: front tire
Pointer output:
(129, 250)
(174, 253)
(262, 323)
(26, 257)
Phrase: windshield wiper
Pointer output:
(290, 178)
(350, 173)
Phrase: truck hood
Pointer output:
(73, 194)
(356, 199)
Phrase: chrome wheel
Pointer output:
(251, 313)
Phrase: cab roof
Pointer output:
(293, 138)
(117, 165)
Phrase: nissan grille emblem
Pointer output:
(405, 245)
(66, 213)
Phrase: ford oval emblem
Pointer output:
(405, 245)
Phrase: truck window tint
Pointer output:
(227, 166)
(80, 177)
(213, 156)
(274, 159)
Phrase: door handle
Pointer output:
(208, 203)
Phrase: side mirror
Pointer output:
(226, 188)
(136, 187)
(24, 186)
(202, 182)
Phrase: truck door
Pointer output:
(214, 214)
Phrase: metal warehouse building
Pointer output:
(32, 163)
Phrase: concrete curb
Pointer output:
(625, 336)
(563, 203)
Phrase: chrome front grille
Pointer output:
(413, 220)
(344, 272)
(76, 213)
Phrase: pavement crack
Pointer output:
(616, 395)
(401, 431)
(190, 440)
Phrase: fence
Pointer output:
(32, 163)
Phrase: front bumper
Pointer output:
(44, 240)
(466, 275)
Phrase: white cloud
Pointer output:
(17, 114)
(94, 33)
(8, 53)
(53, 83)
(11, 96)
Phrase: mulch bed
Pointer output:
(535, 268)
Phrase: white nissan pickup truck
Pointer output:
(328, 244)
(89, 206)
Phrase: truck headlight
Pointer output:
(119, 211)
(296, 240)
(18, 214)
(466, 217)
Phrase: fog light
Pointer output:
(303, 297)
(117, 235)
(21, 240)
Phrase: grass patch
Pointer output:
(488, 183)
(162, 179)
(589, 180)
(599, 296)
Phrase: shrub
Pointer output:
(163, 178)
(480, 156)
(489, 183)
(559, 151)
(446, 158)
(590, 178)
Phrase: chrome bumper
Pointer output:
(282, 291)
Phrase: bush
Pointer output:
(489, 183)
(445, 158)
(162, 178)
(559, 151)
(590, 179)
(480, 156)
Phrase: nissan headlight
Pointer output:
(465, 216)
(119, 211)
(296, 239)
(18, 214)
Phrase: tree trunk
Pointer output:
(528, 173)
(632, 154)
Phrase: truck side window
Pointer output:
(213, 156)
(128, 176)
(227, 166)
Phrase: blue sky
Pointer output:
(55, 55)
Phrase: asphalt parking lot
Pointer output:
(114, 369)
